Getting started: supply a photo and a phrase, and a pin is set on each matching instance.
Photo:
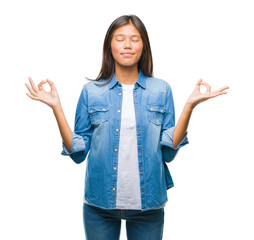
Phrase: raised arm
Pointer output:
(52, 99)
(195, 98)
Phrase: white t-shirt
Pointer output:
(128, 194)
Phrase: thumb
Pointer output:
(52, 85)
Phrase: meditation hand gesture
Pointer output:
(198, 97)
(50, 98)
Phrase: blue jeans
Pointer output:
(101, 224)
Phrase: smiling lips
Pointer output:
(127, 54)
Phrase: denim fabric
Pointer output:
(101, 224)
(96, 136)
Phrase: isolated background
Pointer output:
(42, 191)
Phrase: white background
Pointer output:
(42, 191)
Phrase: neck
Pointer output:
(126, 75)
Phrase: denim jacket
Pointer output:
(97, 131)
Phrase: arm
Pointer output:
(52, 99)
(195, 98)
(182, 125)
(64, 128)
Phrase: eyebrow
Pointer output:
(122, 35)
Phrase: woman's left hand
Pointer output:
(198, 97)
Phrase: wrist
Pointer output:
(57, 108)
(189, 106)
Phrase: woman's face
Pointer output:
(126, 46)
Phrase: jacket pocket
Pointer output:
(98, 114)
(156, 113)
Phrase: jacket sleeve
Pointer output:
(82, 133)
(168, 150)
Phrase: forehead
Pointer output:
(128, 29)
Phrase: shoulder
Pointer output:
(91, 87)
(156, 84)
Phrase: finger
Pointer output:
(31, 90)
(52, 85)
(198, 84)
(33, 85)
(32, 97)
(208, 87)
(216, 93)
(223, 89)
(40, 85)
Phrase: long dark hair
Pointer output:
(145, 63)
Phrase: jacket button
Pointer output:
(139, 131)
(119, 111)
(141, 170)
(114, 189)
(136, 95)
(143, 190)
(137, 112)
(120, 94)
(117, 129)
(115, 149)
(139, 150)
(114, 168)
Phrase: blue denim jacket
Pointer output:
(97, 132)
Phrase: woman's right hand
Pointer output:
(50, 98)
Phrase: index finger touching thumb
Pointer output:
(198, 84)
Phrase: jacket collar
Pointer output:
(141, 80)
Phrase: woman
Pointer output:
(125, 120)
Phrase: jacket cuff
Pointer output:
(77, 145)
(167, 139)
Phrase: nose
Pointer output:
(127, 43)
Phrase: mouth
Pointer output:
(127, 54)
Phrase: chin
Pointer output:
(127, 64)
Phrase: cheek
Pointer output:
(139, 49)
(115, 49)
